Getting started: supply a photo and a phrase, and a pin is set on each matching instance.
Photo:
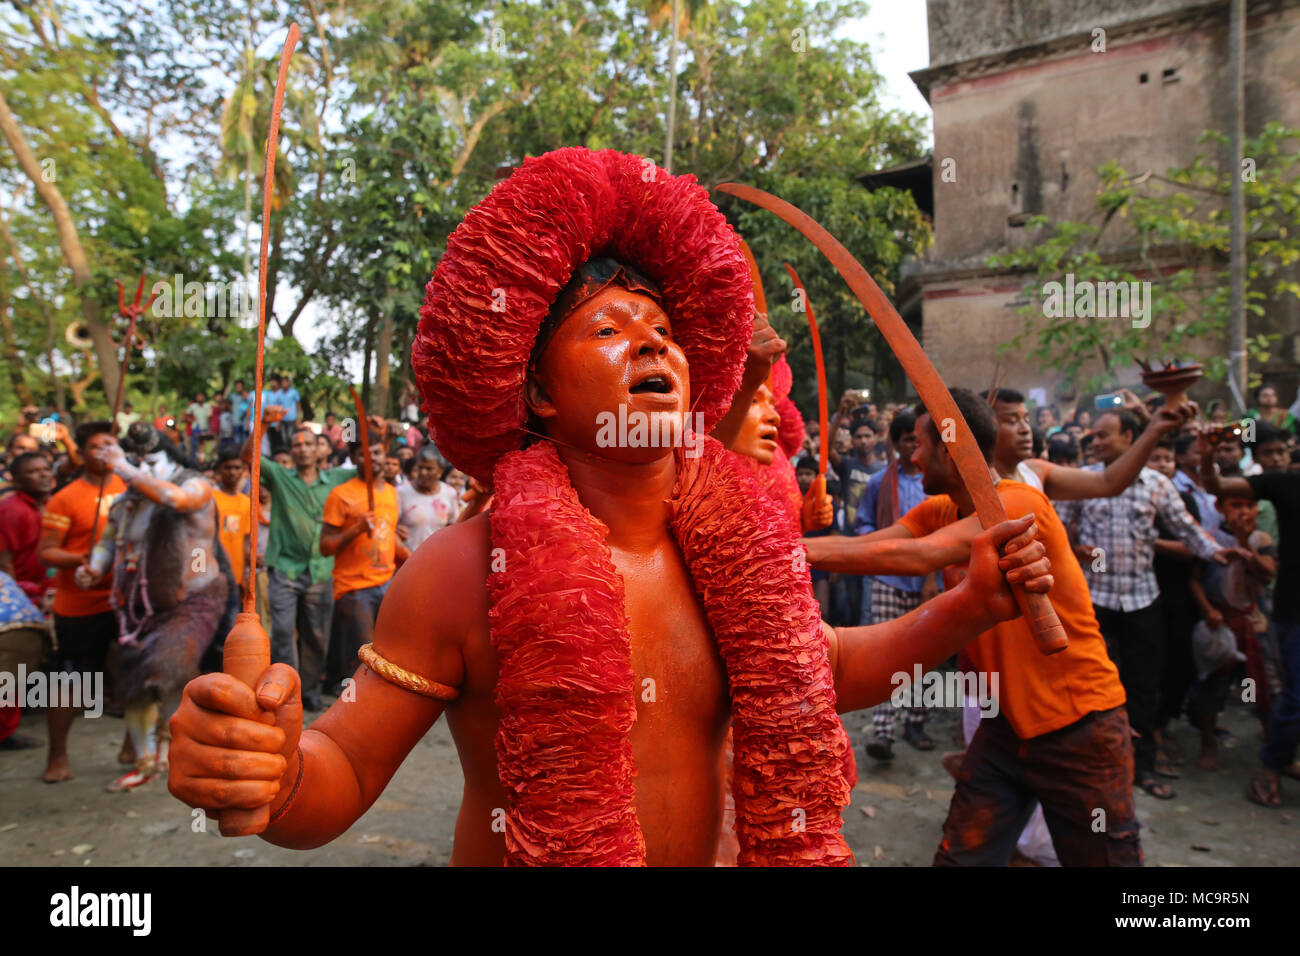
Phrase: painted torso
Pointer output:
(681, 716)
(175, 549)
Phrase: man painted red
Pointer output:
(591, 636)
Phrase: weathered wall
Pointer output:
(965, 29)
(1028, 139)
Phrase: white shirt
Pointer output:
(423, 514)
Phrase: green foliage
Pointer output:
(399, 115)
(1177, 238)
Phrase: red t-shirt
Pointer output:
(1038, 693)
(20, 532)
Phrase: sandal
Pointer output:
(1166, 767)
(880, 749)
(1265, 789)
(1161, 791)
(142, 774)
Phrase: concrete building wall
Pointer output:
(1026, 111)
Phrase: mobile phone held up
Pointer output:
(1109, 401)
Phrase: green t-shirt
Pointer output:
(297, 510)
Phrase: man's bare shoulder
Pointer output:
(437, 601)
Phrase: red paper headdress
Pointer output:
(565, 687)
(505, 265)
(791, 430)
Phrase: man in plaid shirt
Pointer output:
(1115, 543)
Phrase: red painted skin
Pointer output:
(236, 748)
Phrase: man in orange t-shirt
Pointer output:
(366, 550)
(84, 623)
(232, 511)
(1059, 734)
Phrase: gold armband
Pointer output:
(404, 678)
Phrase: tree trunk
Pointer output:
(12, 357)
(273, 268)
(840, 361)
(73, 251)
(365, 366)
(383, 350)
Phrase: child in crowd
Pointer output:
(1228, 595)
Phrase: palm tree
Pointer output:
(245, 123)
(680, 17)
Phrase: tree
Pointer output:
(1176, 240)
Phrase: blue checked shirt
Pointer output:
(1124, 527)
(910, 494)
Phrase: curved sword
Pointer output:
(247, 651)
(1036, 608)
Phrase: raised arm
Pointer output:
(232, 747)
(1215, 483)
(864, 659)
(848, 402)
(765, 346)
(1063, 483)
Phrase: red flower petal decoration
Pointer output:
(566, 687)
(506, 262)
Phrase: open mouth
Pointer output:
(768, 434)
(655, 384)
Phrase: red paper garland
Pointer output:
(565, 692)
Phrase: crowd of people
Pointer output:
(1183, 528)
(1179, 523)
(127, 545)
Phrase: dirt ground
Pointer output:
(895, 818)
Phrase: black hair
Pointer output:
(1182, 443)
(1009, 396)
(429, 453)
(1128, 422)
(355, 447)
(22, 459)
(864, 419)
(88, 430)
(979, 417)
(900, 425)
(1164, 441)
(1266, 432)
(806, 464)
(1062, 449)
(587, 280)
(13, 438)
(228, 452)
(1038, 440)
